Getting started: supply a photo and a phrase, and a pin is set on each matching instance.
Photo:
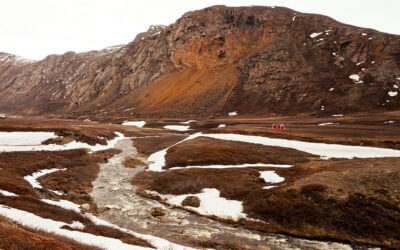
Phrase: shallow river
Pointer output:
(113, 190)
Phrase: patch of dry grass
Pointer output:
(349, 200)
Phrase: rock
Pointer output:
(180, 231)
(102, 209)
(191, 201)
(278, 66)
(157, 211)
(85, 206)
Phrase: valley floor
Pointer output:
(321, 183)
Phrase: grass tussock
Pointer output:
(130, 162)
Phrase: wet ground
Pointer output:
(113, 190)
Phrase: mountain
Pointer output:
(253, 60)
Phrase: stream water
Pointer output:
(113, 190)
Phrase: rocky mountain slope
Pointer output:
(254, 60)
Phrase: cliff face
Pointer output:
(254, 60)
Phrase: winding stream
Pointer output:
(113, 190)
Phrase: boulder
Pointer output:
(191, 201)
(157, 211)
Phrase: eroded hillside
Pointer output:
(254, 60)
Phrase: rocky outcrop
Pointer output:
(254, 60)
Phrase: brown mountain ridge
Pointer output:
(253, 60)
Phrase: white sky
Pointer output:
(36, 28)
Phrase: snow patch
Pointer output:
(324, 150)
(234, 113)
(6, 193)
(331, 89)
(64, 204)
(32, 179)
(337, 115)
(138, 124)
(24, 138)
(327, 123)
(315, 34)
(271, 177)
(355, 78)
(20, 143)
(247, 165)
(187, 122)
(177, 127)
(77, 225)
(33, 221)
(388, 122)
(221, 126)
(211, 204)
(392, 93)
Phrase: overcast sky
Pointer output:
(36, 28)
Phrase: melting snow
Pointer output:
(77, 225)
(24, 138)
(268, 187)
(187, 122)
(64, 204)
(331, 89)
(33, 221)
(355, 77)
(139, 124)
(395, 86)
(247, 165)
(211, 204)
(221, 126)
(6, 193)
(177, 127)
(234, 113)
(326, 151)
(271, 177)
(360, 63)
(326, 123)
(21, 143)
(313, 35)
(392, 93)
(337, 115)
(32, 179)
(388, 122)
